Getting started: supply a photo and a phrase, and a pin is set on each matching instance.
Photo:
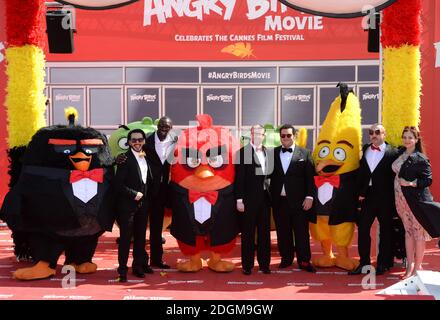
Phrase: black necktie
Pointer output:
(286, 150)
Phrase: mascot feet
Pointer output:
(344, 262)
(216, 264)
(40, 271)
(86, 267)
(327, 259)
(193, 265)
(324, 261)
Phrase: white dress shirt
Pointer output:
(142, 165)
(261, 157)
(373, 157)
(286, 158)
(262, 160)
(202, 210)
(162, 147)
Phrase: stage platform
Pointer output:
(282, 284)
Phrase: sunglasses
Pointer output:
(289, 135)
(134, 140)
(376, 132)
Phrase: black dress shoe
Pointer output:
(265, 270)
(147, 269)
(356, 271)
(122, 278)
(380, 270)
(307, 266)
(138, 272)
(284, 264)
(161, 265)
(247, 271)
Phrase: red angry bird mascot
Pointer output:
(202, 195)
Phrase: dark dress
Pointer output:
(415, 205)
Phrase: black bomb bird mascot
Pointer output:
(63, 198)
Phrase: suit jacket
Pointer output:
(298, 180)
(419, 199)
(249, 185)
(382, 188)
(42, 200)
(160, 172)
(128, 182)
(222, 226)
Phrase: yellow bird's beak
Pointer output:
(328, 167)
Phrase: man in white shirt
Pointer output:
(376, 196)
(253, 202)
(133, 180)
(292, 191)
(159, 147)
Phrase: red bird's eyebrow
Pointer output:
(92, 142)
(62, 142)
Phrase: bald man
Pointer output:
(159, 147)
(376, 197)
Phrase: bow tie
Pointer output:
(211, 196)
(96, 175)
(141, 154)
(333, 180)
(286, 150)
(374, 148)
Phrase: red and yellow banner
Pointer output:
(3, 156)
(401, 32)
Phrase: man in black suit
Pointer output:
(133, 179)
(292, 191)
(159, 147)
(376, 197)
(252, 194)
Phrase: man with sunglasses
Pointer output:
(376, 198)
(133, 180)
(292, 191)
(159, 147)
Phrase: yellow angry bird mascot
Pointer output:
(336, 156)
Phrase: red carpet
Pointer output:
(282, 284)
